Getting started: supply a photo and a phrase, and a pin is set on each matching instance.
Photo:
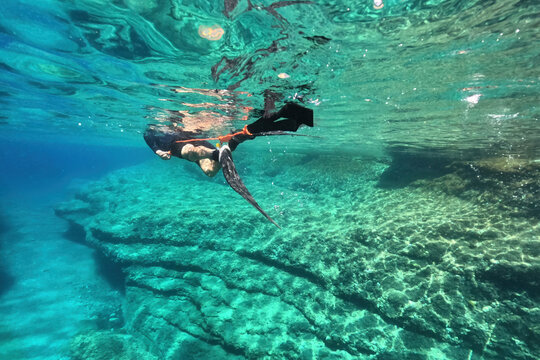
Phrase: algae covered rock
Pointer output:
(359, 271)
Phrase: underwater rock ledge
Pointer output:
(437, 268)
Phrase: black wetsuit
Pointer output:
(165, 137)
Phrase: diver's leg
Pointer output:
(195, 153)
(209, 166)
(206, 156)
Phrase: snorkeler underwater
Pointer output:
(184, 143)
(379, 195)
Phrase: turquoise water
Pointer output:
(409, 215)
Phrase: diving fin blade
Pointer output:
(233, 179)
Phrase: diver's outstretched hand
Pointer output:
(165, 155)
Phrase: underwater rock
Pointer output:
(104, 345)
(427, 270)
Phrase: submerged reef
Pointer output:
(445, 265)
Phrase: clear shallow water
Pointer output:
(418, 85)
(445, 75)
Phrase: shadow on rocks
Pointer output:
(105, 267)
(110, 271)
(407, 168)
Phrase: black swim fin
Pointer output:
(232, 177)
(279, 132)
(302, 115)
(305, 116)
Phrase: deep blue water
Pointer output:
(32, 169)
